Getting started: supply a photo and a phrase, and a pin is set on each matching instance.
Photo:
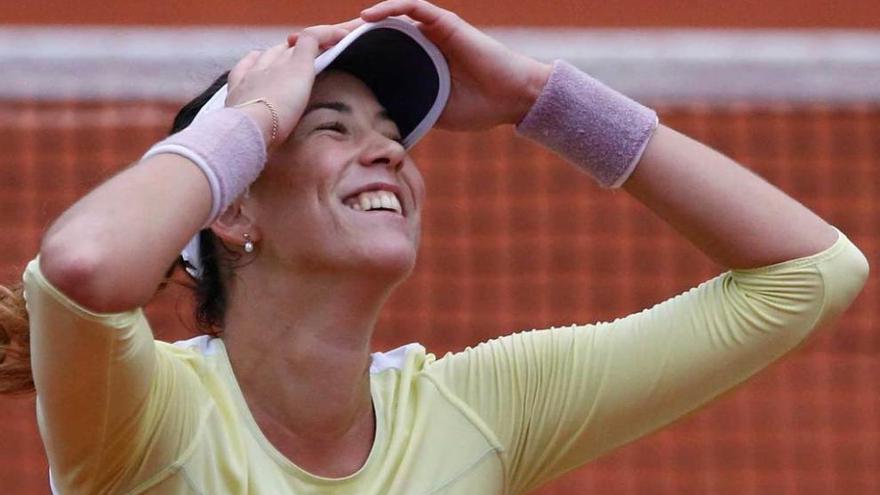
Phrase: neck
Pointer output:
(300, 348)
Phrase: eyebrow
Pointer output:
(331, 105)
(341, 108)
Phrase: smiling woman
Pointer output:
(344, 150)
(286, 191)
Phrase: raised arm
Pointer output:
(554, 399)
(101, 385)
(111, 249)
(735, 217)
(731, 214)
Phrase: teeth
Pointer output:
(374, 200)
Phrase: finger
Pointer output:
(269, 56)
(419, 10)
(304, 53)
(241, 68)
(325, 36)
(341, 30)
(351, 25)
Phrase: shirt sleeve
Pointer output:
(557, 398)
(112, 409)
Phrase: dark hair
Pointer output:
(15, 351)
(16, 376)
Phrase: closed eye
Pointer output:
(340, 128)
(332, 126)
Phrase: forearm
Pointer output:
(111, 249)
(735, 217)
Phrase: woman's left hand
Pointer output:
(491, 84)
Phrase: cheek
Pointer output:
(278, 177)
(285, 203)
(290, 178)
(416, 183)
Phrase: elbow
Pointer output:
(850, 278)
(80, 273)
(843, 283)
(860, 270)
(804, 295)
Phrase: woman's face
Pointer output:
(341, 194)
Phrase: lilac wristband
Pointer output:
(227, 146)
(599, 130)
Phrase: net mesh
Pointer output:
(514, 239)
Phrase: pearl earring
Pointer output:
(248, 244)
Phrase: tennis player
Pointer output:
(290, 191)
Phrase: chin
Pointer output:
(393, 262)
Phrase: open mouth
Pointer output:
(375, 200)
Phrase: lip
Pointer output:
(380, 186)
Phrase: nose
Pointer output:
(382, 150)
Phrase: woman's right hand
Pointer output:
(282, 75)
(491, 84)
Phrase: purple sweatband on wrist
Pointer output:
(229, 148)
(601, 131)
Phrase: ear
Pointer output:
(236, 221)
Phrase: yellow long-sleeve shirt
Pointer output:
(122, 413)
